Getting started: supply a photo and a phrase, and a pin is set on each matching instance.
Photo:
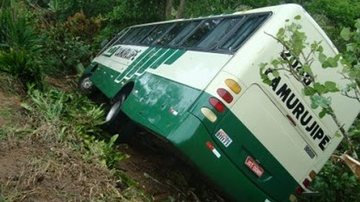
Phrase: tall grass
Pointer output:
(19, 45)
(72, 119)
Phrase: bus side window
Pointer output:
(174, 31)
(243, 32)
(214, 37)
(201, 32)
(187, 30)
(130, 34)
(156, 33)
(140, 34)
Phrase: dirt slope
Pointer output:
(32, 168)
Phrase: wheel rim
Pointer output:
(86, 83)
(115, 109)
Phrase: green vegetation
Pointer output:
(40, 39)
(336, 181)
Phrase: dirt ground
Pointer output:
(32, 169)
(163, 176)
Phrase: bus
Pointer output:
(195, 85)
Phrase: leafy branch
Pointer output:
(298, 60)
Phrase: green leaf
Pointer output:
(331, 86)
(322, 57)
(322, 113)
(309, 91)
(26, 106)
(307, 68)
(331, 62)
(314, 103)
(357, 24)
(275, 73)
(319, 101)
(280, 33)
(345, 34)
(319, 88)
(320, 49)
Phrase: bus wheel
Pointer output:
(85, 84)
(116, 122)
(115, 110)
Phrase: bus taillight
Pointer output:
(299, 190)
(217, 104)
(233, 85)
(306, 183)
(224, 94)
(312, 175)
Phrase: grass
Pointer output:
(52, 150)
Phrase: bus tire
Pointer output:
(116, 122)
(115, 108)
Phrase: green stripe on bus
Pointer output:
(174, 57)
(165, 55)
(150, 58)
(150, 61)
(135, 64)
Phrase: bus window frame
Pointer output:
(216, 49)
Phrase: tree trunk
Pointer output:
(181, 9)
(168, 8)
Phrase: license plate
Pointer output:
(254, 166)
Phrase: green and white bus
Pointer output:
(195, 84)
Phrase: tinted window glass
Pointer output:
(139, 33)
(172, 33)
(243, 32)
(219, 32)
(156, 33)
(201, 32)
(129, 34)
(187, 29)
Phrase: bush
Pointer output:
(19, 46)
(336, 182)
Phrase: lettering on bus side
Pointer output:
(109, 52)
(127, 53)
(122, 52)
(297, 66)
(298, 109)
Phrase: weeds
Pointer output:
(72, 118)
(10, 85)
(19, 45)
(67, 157)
